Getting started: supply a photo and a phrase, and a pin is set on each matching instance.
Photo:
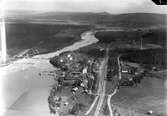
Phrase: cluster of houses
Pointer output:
(79, 73)
(76, 71)
(28, 53)
(132, 74)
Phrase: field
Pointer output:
(149, 95)
(43, 37)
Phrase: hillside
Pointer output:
(45, 38)
(131, 19)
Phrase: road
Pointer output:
(92, 105)
(102, 83)
(109, 101)
(101, 93)
(116, 89)
(119, 67)
(101, 87)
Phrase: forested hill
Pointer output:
(130, 19)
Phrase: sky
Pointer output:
(111, 6)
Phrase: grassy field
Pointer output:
(149, 95)
(46, 38)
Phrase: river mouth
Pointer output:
(128, 96)
(26, 72)
(41, 37)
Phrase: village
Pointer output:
(76, 76)
(77, 79)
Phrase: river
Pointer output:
(23, 92)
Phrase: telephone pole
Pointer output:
(141, 43)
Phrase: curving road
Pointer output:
(102, 88)
(93, 104)
(109, 101)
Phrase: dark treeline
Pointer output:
(96, 53)
(155, 36)
(113, 36)
(151, 36)
(151, 57)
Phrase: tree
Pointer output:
(76, 108)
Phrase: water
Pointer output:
(24, 92)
